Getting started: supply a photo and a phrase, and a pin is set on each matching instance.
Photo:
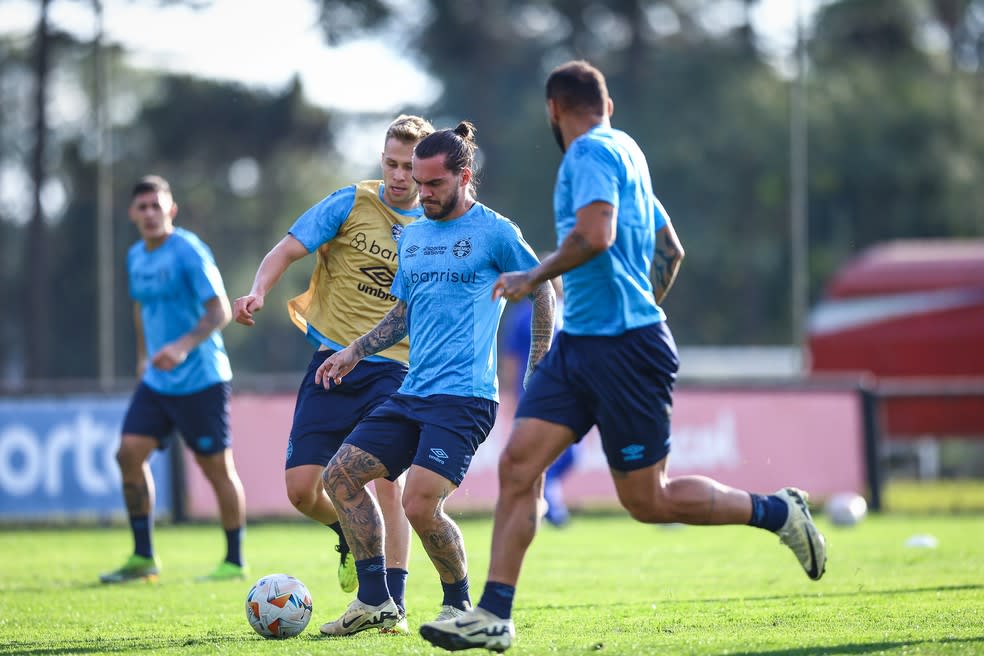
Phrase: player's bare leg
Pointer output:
(220, 470)
(532, 446)
(652, 497)
(133, 457)
(423, 501)
(396, 543)
(345, 479)
(306, 491)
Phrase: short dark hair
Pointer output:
(578, 86)
(150, 183)
(458, 147)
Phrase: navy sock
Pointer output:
(372, 580)
(456, 594)
(768, 512)
(337, 527)
(234, 545)
(498, 599)
(141, 527)
(396, 581)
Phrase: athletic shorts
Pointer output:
(324, 418)
(201, 417)
(439, 432)
(622, 384)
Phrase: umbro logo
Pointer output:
(380, 275)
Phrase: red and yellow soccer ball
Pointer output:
(278, 606)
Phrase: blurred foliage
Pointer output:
(894, 91)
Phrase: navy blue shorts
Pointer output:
(324, 418)
(201, 417)
(439, 432)
(622, 384)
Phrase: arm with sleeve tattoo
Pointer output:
(666, 261)
(541, 326)
(390, 330)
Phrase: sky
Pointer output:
(244, 40)
(265, 44)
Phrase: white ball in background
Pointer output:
(846, 508)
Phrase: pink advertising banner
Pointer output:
(751, 438)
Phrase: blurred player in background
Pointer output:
(613, 365)
(354, 232)
(447, 405)
(180, 305)
(516, 352)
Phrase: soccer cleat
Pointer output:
(400, 628)
(800, 534)
(348, 578)
(449, 612)
(226, 571)
(360, 617)
(136, 568)
(478, 628)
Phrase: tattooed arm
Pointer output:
(541, 326)
(390, 330)
(666, 260)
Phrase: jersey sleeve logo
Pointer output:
(462, 248)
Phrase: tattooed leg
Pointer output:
(426, 492)
(345, 481)
(138, 482)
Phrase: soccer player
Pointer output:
(180, 305)
(448, 402)
(613, 365)
(354, 232)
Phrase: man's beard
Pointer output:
(558, 136)
(444, 209)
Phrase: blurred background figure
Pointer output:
(179, 308)
(516, 352)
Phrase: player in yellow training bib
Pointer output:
(354, 232)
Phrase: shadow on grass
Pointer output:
(153, 645)
(856, 648)
(820, 594)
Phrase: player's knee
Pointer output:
(302, 498)
(128, 459)
(516, 475)
(420, 510)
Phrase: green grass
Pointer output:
(605, 585)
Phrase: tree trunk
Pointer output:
(38, 288)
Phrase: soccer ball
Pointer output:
(846, 508)
(278, 606)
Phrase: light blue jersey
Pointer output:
(611, 293)
(445, 276)
(172, 283)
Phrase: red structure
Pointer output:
(911, 313)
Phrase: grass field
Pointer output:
(604, 585)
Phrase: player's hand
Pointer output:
(245, 306)
(335, 366)
(169, 357)
(513, 286)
